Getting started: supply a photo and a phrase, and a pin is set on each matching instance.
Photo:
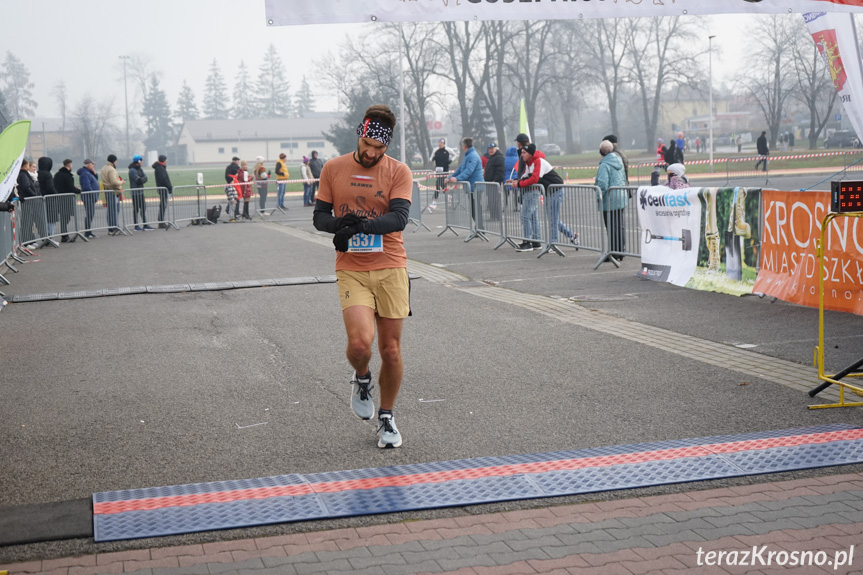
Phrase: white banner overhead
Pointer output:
(292, 12)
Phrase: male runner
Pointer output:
(371, 193)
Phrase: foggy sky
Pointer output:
(80, 42)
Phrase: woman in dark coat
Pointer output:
(46, 188)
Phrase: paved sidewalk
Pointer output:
(677, 533)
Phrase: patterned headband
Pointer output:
(376, 131)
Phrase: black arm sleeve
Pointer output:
(394, 221)
(323, 218)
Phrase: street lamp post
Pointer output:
(126, 97)
(710, 88)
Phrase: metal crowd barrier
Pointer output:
(99, 211)
(521, 210)
(489, 209)
(571, 219)
(7, 245)
(34, 221)
(189, 204)
(144, 206)
(415, 215)
(459, 209)
(622, 229)
(62, 217)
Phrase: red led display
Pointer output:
(846, 197)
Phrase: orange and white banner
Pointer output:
(291, 12)
(789, 260)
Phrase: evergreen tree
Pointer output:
(244, 98)
(215, 94)
(5, 116)
(272, 90)
(17, 88)
(187, 109)
(157, 115)
(305, 100)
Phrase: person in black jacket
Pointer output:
(46, 187)
(763, 150)
(673, 154)
(316, 165)
(137, 179)
(442, 160)
(495, 171)
(64, 183)
(26, 185)
(163, 182)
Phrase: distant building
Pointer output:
(49, 138)
(217, 141)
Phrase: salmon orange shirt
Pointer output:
(367, 192)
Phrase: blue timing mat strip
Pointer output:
(210, 506)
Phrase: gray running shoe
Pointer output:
(388, 433)
(524, 247)
(361, 398)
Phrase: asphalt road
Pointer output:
(160, 389)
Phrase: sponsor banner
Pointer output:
(671, 236)
(13, 140)
(836, 38)
(789, 260)
(710, 244)
(291, 12)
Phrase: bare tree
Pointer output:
(766, 83)
(604, 61)
(93, 120)
(660, 57)
(529, 61)
(815, 88)
(491, 83)
(461, 44)
(17, 88)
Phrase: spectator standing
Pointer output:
(244, 189)
(660, 150)
(89, 183)
(612, 203)
(495, 171)
(306, 174)
(763, 150)
(163, 182)
(316, 165)
(470, 168)
(262, 177)
(137, 179)
(282, 176)
(25, 183)
(484, 159)
(511, 162)
(680, 141)
(441, 159)
(64, 183)
(47, 189)
(791, 140)
(113, 186)
(673, 155)
(698, 144)
(613, 139)
(231, 172)
(739, 143)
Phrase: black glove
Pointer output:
(350, 219)
(7, 207)
(344, 235)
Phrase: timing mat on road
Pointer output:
(178, 509)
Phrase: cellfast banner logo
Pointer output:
(671, 200)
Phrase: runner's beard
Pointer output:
(364, 162)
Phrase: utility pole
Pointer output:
(126, 97)
(710, 86)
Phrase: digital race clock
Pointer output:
(846, 197)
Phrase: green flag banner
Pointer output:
(13, 140)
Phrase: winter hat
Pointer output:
(522, 139)
(611, 138)
(163, 158)
(112, 158)
(492, 145)
(282, 156)
(136, 158)
(305, 160)
(676, 169)
(605, 147)
(530, 149)
(259, 159)
(660, 140)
